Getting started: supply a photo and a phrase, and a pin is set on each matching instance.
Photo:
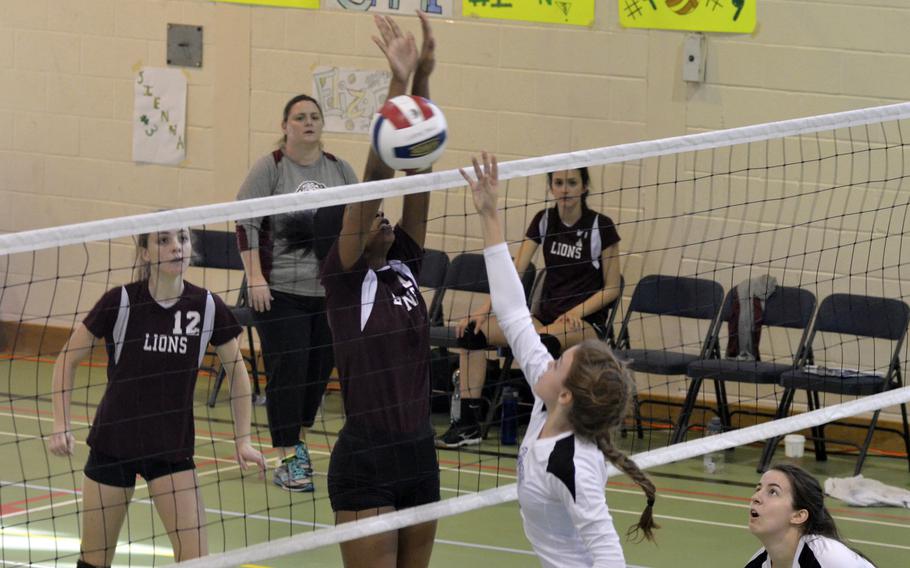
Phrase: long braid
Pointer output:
(602, 392)
(646, 524)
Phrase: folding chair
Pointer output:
(433, 276)
(858, 316)
(788, 307)
(468, 273)
(678, 297)
(218, 249)
(506, 378)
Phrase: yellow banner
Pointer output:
(731, 16)
(574, 12)
(311, 4)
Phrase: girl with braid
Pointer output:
(580, 399)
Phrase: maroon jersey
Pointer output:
(572, 256)
(382, 338)
(154, 354)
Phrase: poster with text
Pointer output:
(159, 116)
(404, 7)
(730, 16)
(574, 12)
(349, 97)
(310, 4)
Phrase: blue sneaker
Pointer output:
(303, 456)
(293, 476)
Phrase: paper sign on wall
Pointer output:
(731, 16)
(575, 12)
(311, 4)
(349, 97)
(159, 116)
(404, 7)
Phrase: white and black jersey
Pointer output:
(154, 353)
(560, 479)
(815, 551)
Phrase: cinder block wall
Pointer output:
(518, 89)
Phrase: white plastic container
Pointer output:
(794, 445)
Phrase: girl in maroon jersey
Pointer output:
(384, 458)
(155, 331)
(581, 255)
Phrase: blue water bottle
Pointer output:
(508, 433)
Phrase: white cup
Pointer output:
(794, 445)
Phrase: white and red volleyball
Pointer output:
(408, 133)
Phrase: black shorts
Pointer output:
(122, 472)
(598, 320)
(371, 471)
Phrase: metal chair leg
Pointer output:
(682, 423)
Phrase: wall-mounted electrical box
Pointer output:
(184, 45)
(694, 58)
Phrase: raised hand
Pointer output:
(426, 61)
(399, 47)
(485, 189)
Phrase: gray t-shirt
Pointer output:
(289, 270)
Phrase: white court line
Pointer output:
(744, 527)
(478, 472)
(470, 471)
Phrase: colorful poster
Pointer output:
(349, 97)
(730, 16)
(405, 7)
(159, 116)
(311, 4)
(575, 12)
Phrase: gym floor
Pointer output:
(703, 517)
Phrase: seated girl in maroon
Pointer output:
(156, 331)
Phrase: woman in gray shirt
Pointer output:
(284, 288)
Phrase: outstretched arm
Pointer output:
(506, 290)
(401, 51)
(416, 206)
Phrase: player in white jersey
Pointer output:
(789, 517)
(580, 400)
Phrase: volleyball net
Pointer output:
(808, 217)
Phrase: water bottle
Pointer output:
(455, 408)
(508, 433)
(714, 461)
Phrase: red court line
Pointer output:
(14, 506)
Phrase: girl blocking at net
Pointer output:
(789, 517)
(581, 255)
(155, 331)
(384, 458)
(580, 399)
(281, 255)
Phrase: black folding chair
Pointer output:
(858, 316)
(788, 307)
(678, 297)
(468, 273)
(433, 276)
(218, 249)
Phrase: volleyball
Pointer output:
(408, 133)
(682, 7)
